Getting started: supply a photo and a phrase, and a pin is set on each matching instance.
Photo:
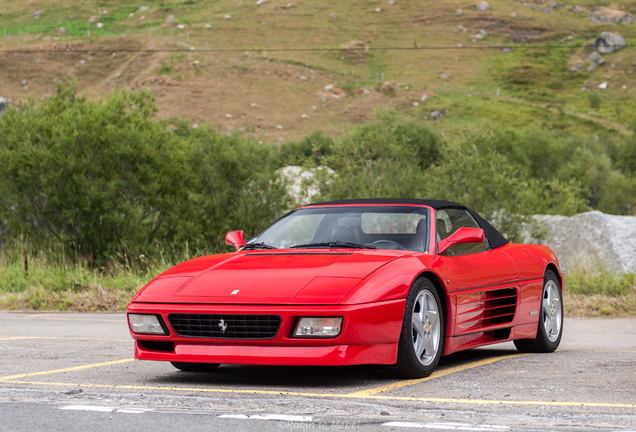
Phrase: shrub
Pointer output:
(313, 147)
(106, 180)
(91, 175)
(483, 180)
(376, 160)
(595, 100)
(234, 186)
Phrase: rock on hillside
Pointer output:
(591, 240)
(605, 15)
(301, 182)
(609, 42)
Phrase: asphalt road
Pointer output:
(75, 372)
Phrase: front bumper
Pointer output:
(370, 334)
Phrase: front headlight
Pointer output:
(147, 324)
(320, 327)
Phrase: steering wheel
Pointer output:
(388, 244)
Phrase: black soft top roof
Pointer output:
(495, 238)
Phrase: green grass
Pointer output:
(601, 282)
(474, 111)
(51, 281)
(599, 293)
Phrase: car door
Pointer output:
(483, 286)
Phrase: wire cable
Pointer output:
(260, 50)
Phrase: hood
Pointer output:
(266, 277)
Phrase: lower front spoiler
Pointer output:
(336, 355)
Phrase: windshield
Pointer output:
(372, 227)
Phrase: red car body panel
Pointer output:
(265, 277)
(371, 340)
(489, 297)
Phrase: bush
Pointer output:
(313, 147)
(626, 159)
(483, 180)
(426, 143)
(234, 186)
(618, 195)
(93, 176)
(106, 180)
(504, 175)
(580, 173)
(595, 100)
(379, 159)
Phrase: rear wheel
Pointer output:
(195, 367)
(422, 339)
(550, 327)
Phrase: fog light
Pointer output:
(146, 324)
(318, 327)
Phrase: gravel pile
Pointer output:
(591, 240)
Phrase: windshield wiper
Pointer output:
(261, 245)
(335, 244)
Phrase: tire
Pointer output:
(550, 328)
(195, 367)
(421, 342)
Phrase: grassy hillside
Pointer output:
(262, 67)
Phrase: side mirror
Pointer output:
(462, 235)
(235, 238)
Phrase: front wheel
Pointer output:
(195, 367)
(550, 327)
(422, 338)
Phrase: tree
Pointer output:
(234, 187)
(98, 177)
(483, 180)
(381, 159)
(105, 178)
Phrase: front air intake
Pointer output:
(220, 326)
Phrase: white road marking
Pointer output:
(448, 426)
(88, 408)
(134, 411)
(98, 408)
(278, 417)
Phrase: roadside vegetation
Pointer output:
(47, 279)
(98, 197)
(103, 185)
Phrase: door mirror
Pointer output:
(235, 238)
(462, 235)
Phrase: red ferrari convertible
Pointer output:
(397, 282)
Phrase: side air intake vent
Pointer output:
(482, 310)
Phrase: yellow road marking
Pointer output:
(35, 315)
(63, 338)
(66, 369)
(336, 396)
(438, 374)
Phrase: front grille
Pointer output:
(235, 326)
